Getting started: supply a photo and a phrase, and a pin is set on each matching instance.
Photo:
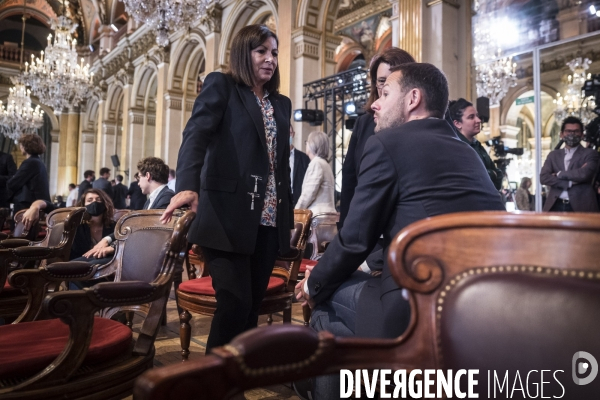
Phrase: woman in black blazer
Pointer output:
(233, 167)
(30, 183)
(364, 127)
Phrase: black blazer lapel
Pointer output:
(253, 109)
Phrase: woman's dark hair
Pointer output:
(32, 144)
(240, 59)
(457, 108)
(107, 217)
(393, 57)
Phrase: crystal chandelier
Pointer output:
(495, 78)
(574, 103)
(56, 78)
(18, 117)
(166, 15)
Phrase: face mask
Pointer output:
(572, 140)
(96, 208)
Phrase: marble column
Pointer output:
(173, 127)
(126, 142)
(135, 132)
(53, 168)
(285, 26)
(410, 27)
(68, 150)
(99, 136)
(87, 153)
(394, 21)
(160, 137)
(212, 23)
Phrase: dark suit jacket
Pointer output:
(494, 173)
(30, 183)
(581, 194)
(409, 173)
(103, 184)
(364, 128)
(301, 162)
(162, 200)
(119, 196)
(223, 148)
(137, 199)
(7, 169)
(83, 186)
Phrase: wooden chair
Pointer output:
(19, 230)
(77, 354)
(22, 253)
(198, 295)
(490, 291)
(323, 228)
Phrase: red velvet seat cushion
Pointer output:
(305, 262)
(204, 287)
(29, 347)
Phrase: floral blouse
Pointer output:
(269, 212)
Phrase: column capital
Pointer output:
(136, 116)
(213, 18)
(173, 100)
(452, 3)
(88, 136)
(306, 42)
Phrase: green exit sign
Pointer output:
(525, 100)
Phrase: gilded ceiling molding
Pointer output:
(213, 18)
(452, 3)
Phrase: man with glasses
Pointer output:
(570, 172)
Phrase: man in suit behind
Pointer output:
(86, 183)
(570, 172)
(7, 169)
(119, 193)
(413, 168)
(298, 165)
(103, 182)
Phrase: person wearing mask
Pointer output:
(88, 177)
(234, 161)
(364, 126)
(73, 195)
(30, 182)
(319, 185)
(98, 205)
(298, 164)
(467, 122)
(7, 169)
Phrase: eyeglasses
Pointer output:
(572, 132)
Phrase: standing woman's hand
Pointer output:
(178, 201)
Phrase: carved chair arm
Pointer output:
(109, 294)
(13, 243)
(35, 253)
(69, 271)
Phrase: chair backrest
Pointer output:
(323, 228)
(288, 268)
(4, 213)
(118, 214)
(62, 225)
(19, 230)
(501, 292)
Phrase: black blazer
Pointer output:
(84, 186)
(119, 196)
(364, 128)
(408, 173)
(301, 162)
(162, 200)
(7, 169)
(223, 149)
(30, 183)
(103, 184)
(137, 199)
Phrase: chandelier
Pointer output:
(166, 15)
(495, 78)
(18, 117)
(574, 103)
(55, 77)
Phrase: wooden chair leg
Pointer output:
(287, 316)
(163, 321)
(270, 319)
(306, 312)
(129, 319)
(185, 334)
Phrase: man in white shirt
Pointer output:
(73, 195)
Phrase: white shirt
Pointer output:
(154, 195)
(72, 198)
(292, 152)
(171, 184)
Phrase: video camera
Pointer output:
(591, 87)
(500, 150)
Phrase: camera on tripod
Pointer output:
(500, 150)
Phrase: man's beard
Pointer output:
(393, 119)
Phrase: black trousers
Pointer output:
(560, 206)
(240, 282)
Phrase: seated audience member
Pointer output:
(88, 177)
(73, 195)
(467, 122)
(523, 197)
(119, 193)
(89, 233)
(59, 202)
(137, 199)
(319, 185)
(152, 175)
(569, 172)
(413, 168)
(103, 182)
(298, 165)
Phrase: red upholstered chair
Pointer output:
(22, 253)
(77, 354)
(490, 291)
(198, 295)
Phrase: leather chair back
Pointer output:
(502, 292)
(19, 230)
(287, 268)
(62, 225)
(118, 214)
(323, 228)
